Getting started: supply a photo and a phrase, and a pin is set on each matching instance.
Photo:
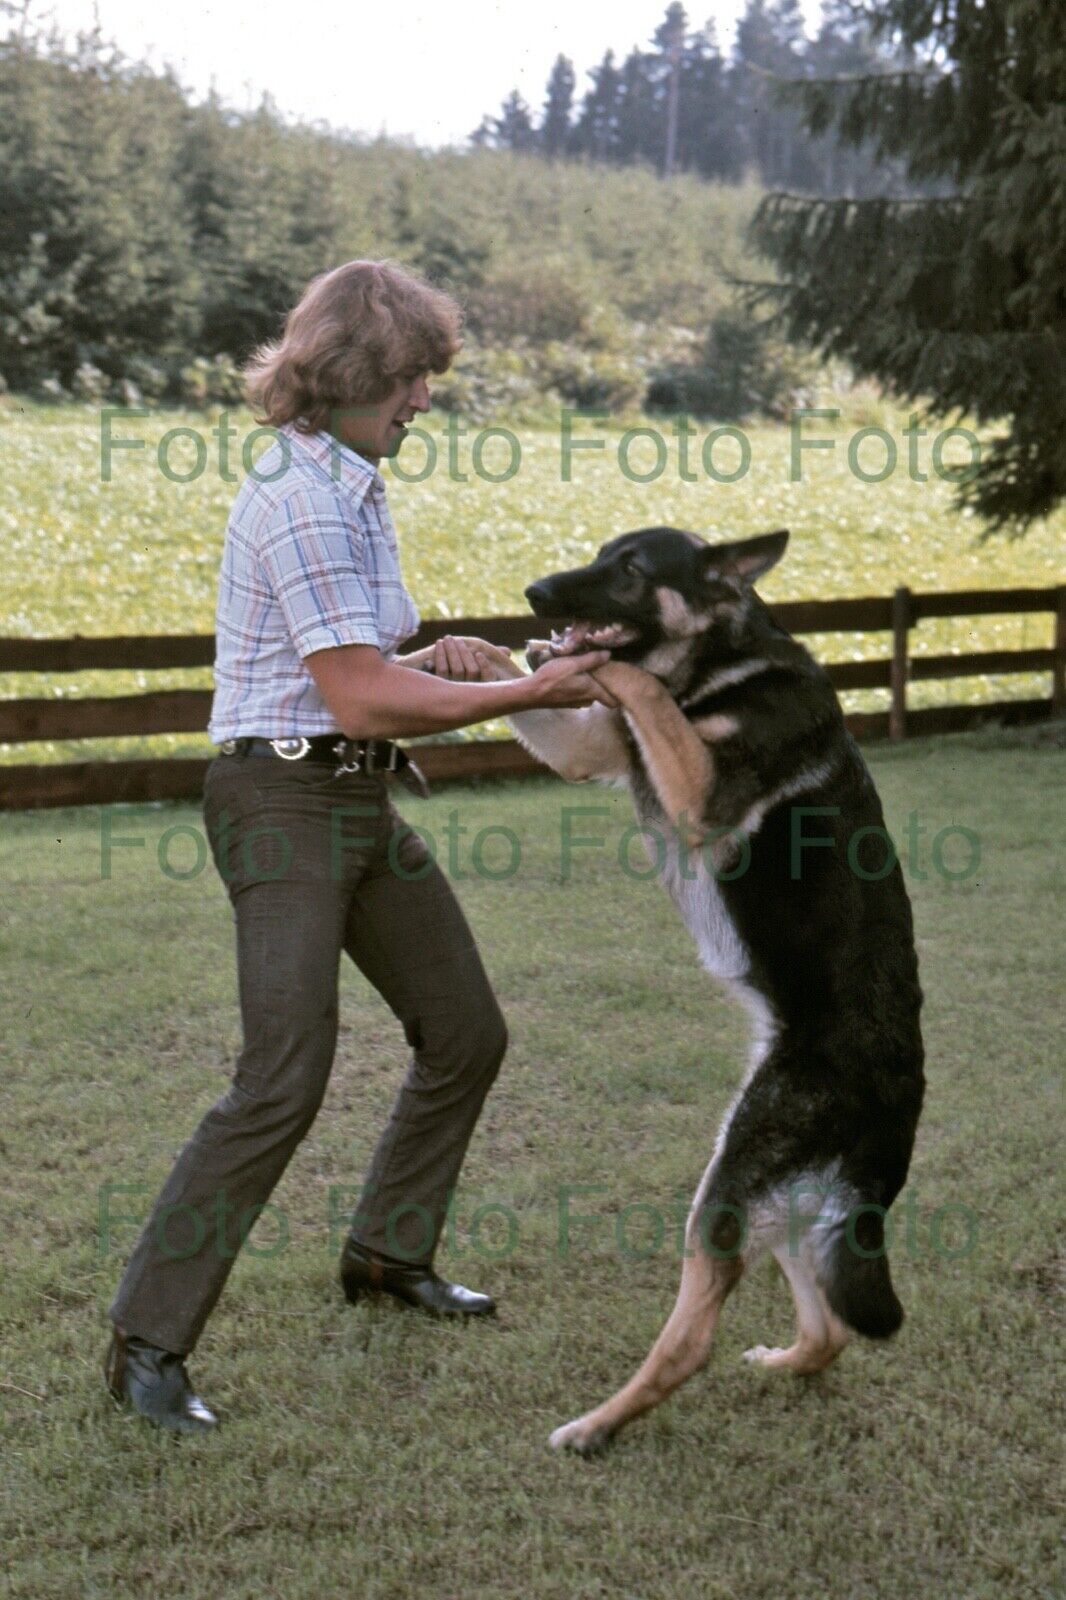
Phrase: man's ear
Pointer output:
(746, 559)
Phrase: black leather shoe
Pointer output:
(154, 1383)
(415, 1283)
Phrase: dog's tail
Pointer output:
(856, 1279)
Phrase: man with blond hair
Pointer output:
(309, 695)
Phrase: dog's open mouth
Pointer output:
(579, 636)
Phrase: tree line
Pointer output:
(151, 240)
(683, 105)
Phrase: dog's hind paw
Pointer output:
(581, 1437)
(802, 1358)
(764, 1355)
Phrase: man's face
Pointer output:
(379, 430)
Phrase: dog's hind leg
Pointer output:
(680, 1350)
(820, 1336)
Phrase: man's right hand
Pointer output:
(564, 683)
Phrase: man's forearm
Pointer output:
(391, 701)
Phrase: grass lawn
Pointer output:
(140, 552)
(368, 1452)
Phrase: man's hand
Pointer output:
(561, 683)
(567, 682)
(463, 659)
(372, 698)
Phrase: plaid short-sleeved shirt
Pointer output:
(309, 562)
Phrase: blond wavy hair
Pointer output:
(354, 333)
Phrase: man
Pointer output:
(309, 694)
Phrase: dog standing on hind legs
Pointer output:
(732, 742)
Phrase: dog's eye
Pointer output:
(632, 568)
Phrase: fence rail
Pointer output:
(24, 721)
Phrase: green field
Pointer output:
(140, 553)
(368, 1452)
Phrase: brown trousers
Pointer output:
(314, 865)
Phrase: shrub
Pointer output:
(89, 383)
(538, 301)
(591, 378)
(151, 378)
(224, 382)
(127, 393)
(51, 391)
(211, 380)
(741, 369)
(486, 384)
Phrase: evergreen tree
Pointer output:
(670, 38)
(709, 137)
(958, 295)
(558, 109)
(281, 228)
(706, 138)
(513, 128)
(596, 133)
(770, 46)
(842, 47)
(639, 126)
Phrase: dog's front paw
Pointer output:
(630, 685)
(582, 1437)
(539, 652)
(494, 669)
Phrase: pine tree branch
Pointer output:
(892, 74)
(931, 203)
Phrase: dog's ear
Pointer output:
(746, 559)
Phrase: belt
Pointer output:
(345, 755)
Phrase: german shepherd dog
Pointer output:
(732, 742)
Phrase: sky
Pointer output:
(415, 70)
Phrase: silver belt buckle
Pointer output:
(290, 749)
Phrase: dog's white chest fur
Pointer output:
(705, 915)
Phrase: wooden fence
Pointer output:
(186, 710)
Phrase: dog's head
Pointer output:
(649, 592)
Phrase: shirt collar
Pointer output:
(342, 465)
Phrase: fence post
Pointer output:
(901, 621)
(1058, 671)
